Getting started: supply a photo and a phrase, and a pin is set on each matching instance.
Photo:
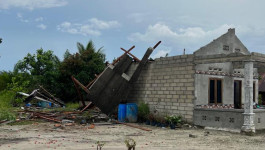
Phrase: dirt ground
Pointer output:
(39, 136)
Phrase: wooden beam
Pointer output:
(134, 126)
(118, 59)
(134, 57)
(78, 92)
(89, 103)
(81, 85)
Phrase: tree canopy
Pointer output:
(83, 65)
(44, 68)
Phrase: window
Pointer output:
(215, 91)
(226, 47)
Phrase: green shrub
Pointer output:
(5, 99)
(143, 110)
(6, 106)
(7, 114)
(173, 119)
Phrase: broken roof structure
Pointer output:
(113, 85)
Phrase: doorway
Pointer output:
(237, 94)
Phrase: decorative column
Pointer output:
(248, 126)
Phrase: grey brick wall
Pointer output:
(167, 85)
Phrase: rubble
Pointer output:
(113, 85)
(43, 95)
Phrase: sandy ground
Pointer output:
(46, 136)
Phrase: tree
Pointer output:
(83, 65)
(66, 54)
(5, 79)
(42, 66)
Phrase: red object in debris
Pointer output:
(57, 125)
(92, 126)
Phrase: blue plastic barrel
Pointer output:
(131, 112)
(122, 112)
(45, 104)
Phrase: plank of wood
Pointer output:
(134, 126)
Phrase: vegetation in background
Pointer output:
(45, 69)
(83, 65)
(5, 79)
(42, 67)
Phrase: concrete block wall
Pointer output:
(227, 118)
(167, 85)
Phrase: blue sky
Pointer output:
(27, 25)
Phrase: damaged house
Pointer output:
(213, 87)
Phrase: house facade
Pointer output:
(208, 87)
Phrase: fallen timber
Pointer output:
(43, 95)
(113, 85)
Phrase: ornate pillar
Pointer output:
(248, 126)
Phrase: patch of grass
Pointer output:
(7, 114)
(72, 105)
(25, 122)
(5, 99)
(6, 111)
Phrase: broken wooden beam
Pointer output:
(80, 84)
(134, 57)
(118, 59)
(47, 118)
(134, 126)
(156, 44)
(89, 103)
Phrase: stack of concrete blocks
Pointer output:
(167, 85)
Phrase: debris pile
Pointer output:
(66, 118)
(42, 95)
(113, 85)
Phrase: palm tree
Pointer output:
(90, 47)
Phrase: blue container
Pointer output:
(45, 104)
(122, 112)
(131, 112)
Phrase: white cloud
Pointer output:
(161, 53)
(21, 18)
(78, 29)
(88, 30)
(158, 31)
(100, 24)
(42, 26)
(190, 38)
(94, 27)
(31, 4)
(39, 19)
